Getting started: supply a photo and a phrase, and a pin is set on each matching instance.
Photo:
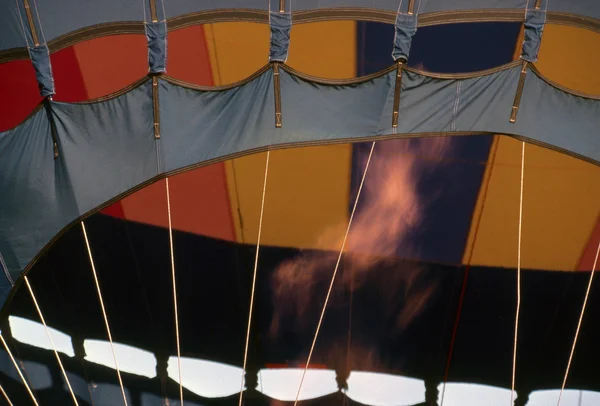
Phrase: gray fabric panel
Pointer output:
(198, 126)
(107, 147)
(37, 199)
(11, 29)
(83, 14)
(175, 8)
(552, 116)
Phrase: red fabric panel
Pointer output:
(19, 93)
(589, 254)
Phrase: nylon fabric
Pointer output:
(156, 33)
(281, 26)
(40, 58)
(405, 28)
(107, 148)
(41, 198)
(533, 29)
(86, 14)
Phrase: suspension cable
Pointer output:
(587, 294)
(260, 222)
(18, 370)
(514, 366)
(6, 396)
(312, 347)
(87, 243)
(60, 364)
(174, 283)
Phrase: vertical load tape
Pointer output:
(277, 95)
(155, 109)
(404, 30)
(280, 24)
(156, 35)
(533, 28)
(37, 47)
(397, 88)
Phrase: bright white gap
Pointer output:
(34, 334)
(375, 389)
(130, 359)
(206, 378)
(282, 384)
(570, 397)
(468, 394)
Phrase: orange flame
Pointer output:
(390, 210)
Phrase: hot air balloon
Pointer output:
(328, 202)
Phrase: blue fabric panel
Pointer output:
(534, 27)
(40, 58)
(156, 33)
(449, 48)
(281, 25)
(107, 147)
(405, 29)
(37, 199)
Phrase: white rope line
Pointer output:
(6, 396)
(260, 221)
(174, 282)
(312, 347)
(587, 293)
(514, 368)
(60, 364)
(87, 243)
(18, 370)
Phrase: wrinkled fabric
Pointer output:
(60, 17)
(281, 26)
(107, 148)
(40, 58)
(156, 34)
(532, 36)
(405, 29)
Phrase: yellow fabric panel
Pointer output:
(561, 194)
(571, 56)
(325, 50)
(308, 188)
